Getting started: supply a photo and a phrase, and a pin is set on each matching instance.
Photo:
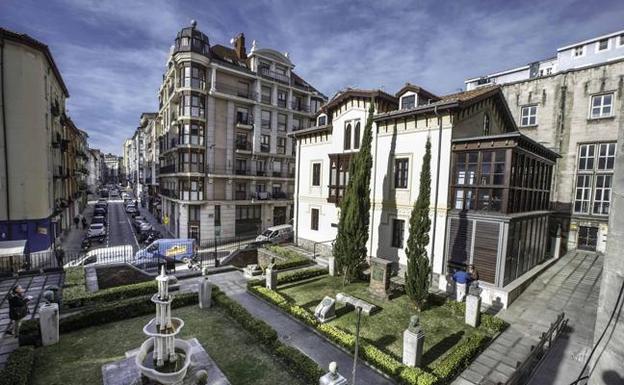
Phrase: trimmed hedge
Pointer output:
(459, 358)
(19, 367)
(297, 363)
(442, 372)
(294, 276)
(293, 259)
(113, 294)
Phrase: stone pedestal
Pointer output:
(380, 278)
(333, 377)
(326, 310)
(49, 323)
(473, 310)
(205, 294)
(460, 291)
(271, 279)
(413, 344)
(331, 264)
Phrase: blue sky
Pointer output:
(112, 53)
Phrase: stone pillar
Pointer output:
(413, 344)
(331, 262)
(460, 291)
(473, 310)
(205, 294)
(557, 244)
(49, 323)
(271, 279)
(332, 377)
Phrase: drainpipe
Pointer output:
(297, 177)
(435, 204)
(4, 134)
(374, 179)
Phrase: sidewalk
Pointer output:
(572, 286)
(294, 333)
(144, 212)
(72, 241)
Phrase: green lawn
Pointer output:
(443, 329)
(79, 356)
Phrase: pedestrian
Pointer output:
(18, 309)
(84, 223)
(473, 273)
(76, 221)
(59, 253)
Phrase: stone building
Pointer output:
(573, 104)
(226, 162)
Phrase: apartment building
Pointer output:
(43, 188)
(573, 104)
(94, 168)
(481, 167)
(226, 161)
(112, 172)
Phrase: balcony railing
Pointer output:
(246, 119)
(182, 168)
(266, 195)
(266, 99)
(168, 169)
(299, 106)
(242, 171)
(235, 91)
(240, 195)
(265, 147)
(274, 75)
(243, 145)
(281, 103)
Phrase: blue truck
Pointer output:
(173, 250)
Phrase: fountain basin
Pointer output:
(152, 331)
(164, 378)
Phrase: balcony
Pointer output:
(243, 146)
(267, 73)
(244, 121)
(276, 195)
(169, 169)
(183, 168)
(265, 147)
(281, 103)
(266, 99)
(240, 195)
(299, 106)
(277, 174)
(241, 171)
(235, 91)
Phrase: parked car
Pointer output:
(147, 237)
(99, 219)
(144, 227)
(97, 231)
(131, 209)
(137, 220)
(178, 249)
(101, 202)
(276, 234)
(100, 211)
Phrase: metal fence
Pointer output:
(525, 369)
(176, 256)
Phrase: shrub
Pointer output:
(416, 376)
(74, 276)
(117, 311)
(459, 358)
(19, 367)
(293, 259)
(112, 294)
(299, 363)
(493, 324)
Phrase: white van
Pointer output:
(105, 255)
(276, 234)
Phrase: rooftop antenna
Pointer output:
(193, 24)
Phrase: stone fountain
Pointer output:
(162, 357)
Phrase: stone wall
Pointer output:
(323, 249)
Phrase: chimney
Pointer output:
(239, 46)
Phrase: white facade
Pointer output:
(595, 51)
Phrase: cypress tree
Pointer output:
(350, 246)
(417, 275)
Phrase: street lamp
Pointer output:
(358, 304)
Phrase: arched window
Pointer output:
(486, 124)
(347, 137)
(356, 136)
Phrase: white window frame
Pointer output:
(528, 116)
(601, 106)
(592, 193)
(407, 96)
(602, 190)
(605, 49)
(586, 194)
(619, 40)
(607, 155)
(583, 50)
(315, 162)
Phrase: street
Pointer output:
(120, 231)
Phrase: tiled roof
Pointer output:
(357, 92)
(417, 89)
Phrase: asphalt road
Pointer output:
(120, 231)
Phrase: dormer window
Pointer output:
(408, 101)
(603, 45)
(322, 120)
(579, 51)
